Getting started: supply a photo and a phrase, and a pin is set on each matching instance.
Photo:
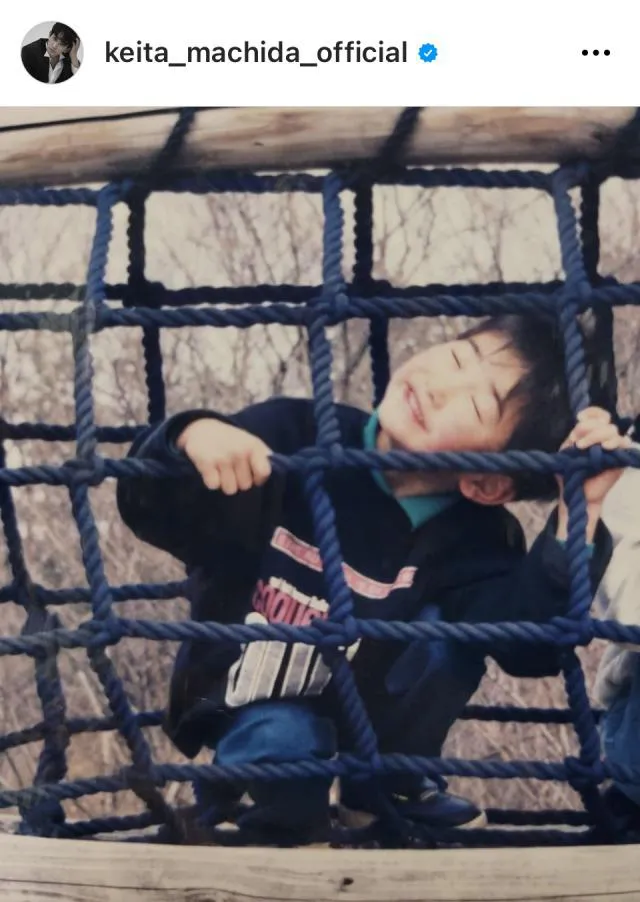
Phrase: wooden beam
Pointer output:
(21, 116)
(39, 870)
(287, 138)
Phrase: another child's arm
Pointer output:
(594, 427)
(536, 587)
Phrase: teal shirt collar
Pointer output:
(418, 508)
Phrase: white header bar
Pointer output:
(292, 53)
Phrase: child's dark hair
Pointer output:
(64, 33)
(546, 418)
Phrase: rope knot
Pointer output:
(334, 634)
(596, 456)
(140, 292)
(341, 304)
(585, 633)
(581, 774)
(350, 631)
(86, 471)
(101, 632)
(585, 290)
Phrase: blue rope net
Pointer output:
(153, 306)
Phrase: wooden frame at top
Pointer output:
(66, 146)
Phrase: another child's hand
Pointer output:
(226, 457)
(594, 427)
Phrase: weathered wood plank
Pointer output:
(47, 892)
(35, 870)
(23, 116)
(288, 138)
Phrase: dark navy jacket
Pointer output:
(253, 557)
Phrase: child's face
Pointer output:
(450, 398)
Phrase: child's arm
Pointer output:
(229, 496)
(534, 588)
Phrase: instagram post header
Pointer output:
(459, 53)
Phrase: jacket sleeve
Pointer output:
(179, 514)
(619, 592)
(534, 587)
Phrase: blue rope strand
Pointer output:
(585, 772)
(136, 295)
(364, 284)
(44, 818)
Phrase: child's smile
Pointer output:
(417, 411)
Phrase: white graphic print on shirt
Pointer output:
(272, 669)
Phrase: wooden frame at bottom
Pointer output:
(44, 870)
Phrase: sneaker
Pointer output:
(624, 811)
(264, 827)
(430, 807)
(216, 802)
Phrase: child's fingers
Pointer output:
(597, 435)
(261, 466)
(244, 476)
(210, 476)
(587, 426)
(618, 441)
(593, 413)
(228, 481)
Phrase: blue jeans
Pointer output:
(620, 729)
(273, 732)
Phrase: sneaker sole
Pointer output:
(475, 824)
(356, 820)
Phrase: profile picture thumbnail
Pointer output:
(52, 52)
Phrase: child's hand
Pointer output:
(594, 427)
(226, 457)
